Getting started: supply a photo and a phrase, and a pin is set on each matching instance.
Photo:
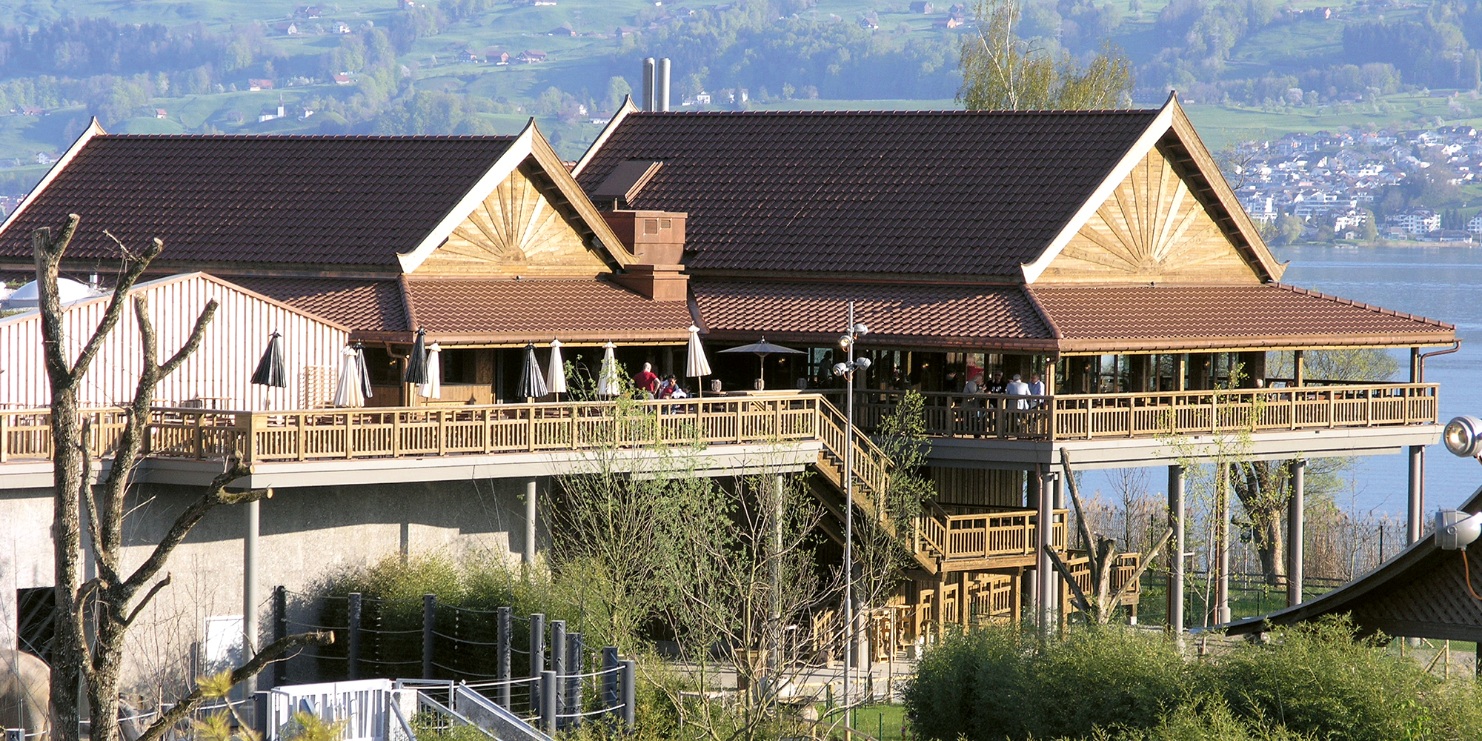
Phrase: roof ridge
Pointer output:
(926, 112)
(318, 137)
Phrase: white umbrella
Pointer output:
(609, 383)
(432, 388)
(695, 364)
(555, 375)
(354, 385)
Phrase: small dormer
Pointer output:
(656, 239)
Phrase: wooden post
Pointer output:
(1295, 521)
(1176, 559)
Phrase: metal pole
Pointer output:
(1176, 561)
(611, 669)
(558, 661)
(280, 632)
(575, 664)
(548, 705)
(849, 526)
(1222, 587)
(1044, 576)
(1295, 531)
(530, 497)
(630, 693)
(537, 656)
(501, 655)
(249, 589)
(1415, 514)
(429, 622)
(352, 652)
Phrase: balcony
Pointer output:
(1069, 417)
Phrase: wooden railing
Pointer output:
(420, 432)
(1090, 416)
(1122, 570)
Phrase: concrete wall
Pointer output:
(305, 534)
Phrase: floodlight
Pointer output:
(1462, 436)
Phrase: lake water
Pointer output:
(1440, 283)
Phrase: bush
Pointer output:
(1310, 682)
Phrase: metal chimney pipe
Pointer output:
(663, 92)
(648, 85)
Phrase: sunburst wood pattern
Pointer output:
(1150, 229)
(516, 230)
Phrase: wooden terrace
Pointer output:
(1065, 417)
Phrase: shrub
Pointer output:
(1104, 676)
(970, 684)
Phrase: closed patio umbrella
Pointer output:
(609, 383)
(354, 386)
(532, 384)
(270, 370)
(555, 374)
(417, 360)
(695, 364)
(433, 387)
(762, 349)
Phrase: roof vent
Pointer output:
(625, 180)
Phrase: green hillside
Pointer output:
(1245, 68)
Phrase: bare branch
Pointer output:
(192, 342)
(1146, 561)
(134, 268)
(270, 653)
(145, 600)
(215, 496)
(48, 254)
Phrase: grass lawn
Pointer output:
(884, 722)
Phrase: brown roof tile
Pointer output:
(364, 304)
(531, 310)
(943, 192)
(1156, 317)
(913, 314)
(258, 199)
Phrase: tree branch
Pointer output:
(215, 495)
(270, 653)
(145, 600)
(48, 255)
(134, 268)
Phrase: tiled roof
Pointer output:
(259, 199)
(364, 304)
(529, 310)
(1271, 315)
(912, 314)
(943, 192)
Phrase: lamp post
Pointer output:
(846, 370)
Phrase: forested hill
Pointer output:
(485, 66)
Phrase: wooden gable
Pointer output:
(1152, 228)
(515, 230)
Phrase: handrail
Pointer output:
(1157, 414)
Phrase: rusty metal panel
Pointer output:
(217, 375)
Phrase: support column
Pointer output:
(530, 495)
(249, 589)
(1415, 514)
(1176, 560)
(1222, 565)
(1295, 530)
(1045, 592)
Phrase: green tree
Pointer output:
(1003, 72)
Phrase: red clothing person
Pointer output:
(647, 380)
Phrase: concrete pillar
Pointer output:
(530, 496)
(249, 587)
(1176, 507)
(1222, 555)
(1415, 513)
(1295, 525)
(1045, 589)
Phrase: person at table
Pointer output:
(1018, 388)
(1036, 388)
(646, 380)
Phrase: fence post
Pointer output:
(630, 693)
(260, 712)
(548, 702)
(501, 655)
(352, 652)
(558, 661)
(574, 665)
(280, 632)
(15, 734)
(429, 621)
(537, 656)
(610, 670)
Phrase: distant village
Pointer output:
(1336, 183)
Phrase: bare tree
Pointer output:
(1003, 72)
(93, 618)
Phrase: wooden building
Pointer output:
(1100, 251)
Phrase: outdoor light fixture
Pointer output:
(1463, 436)
(847, 371)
